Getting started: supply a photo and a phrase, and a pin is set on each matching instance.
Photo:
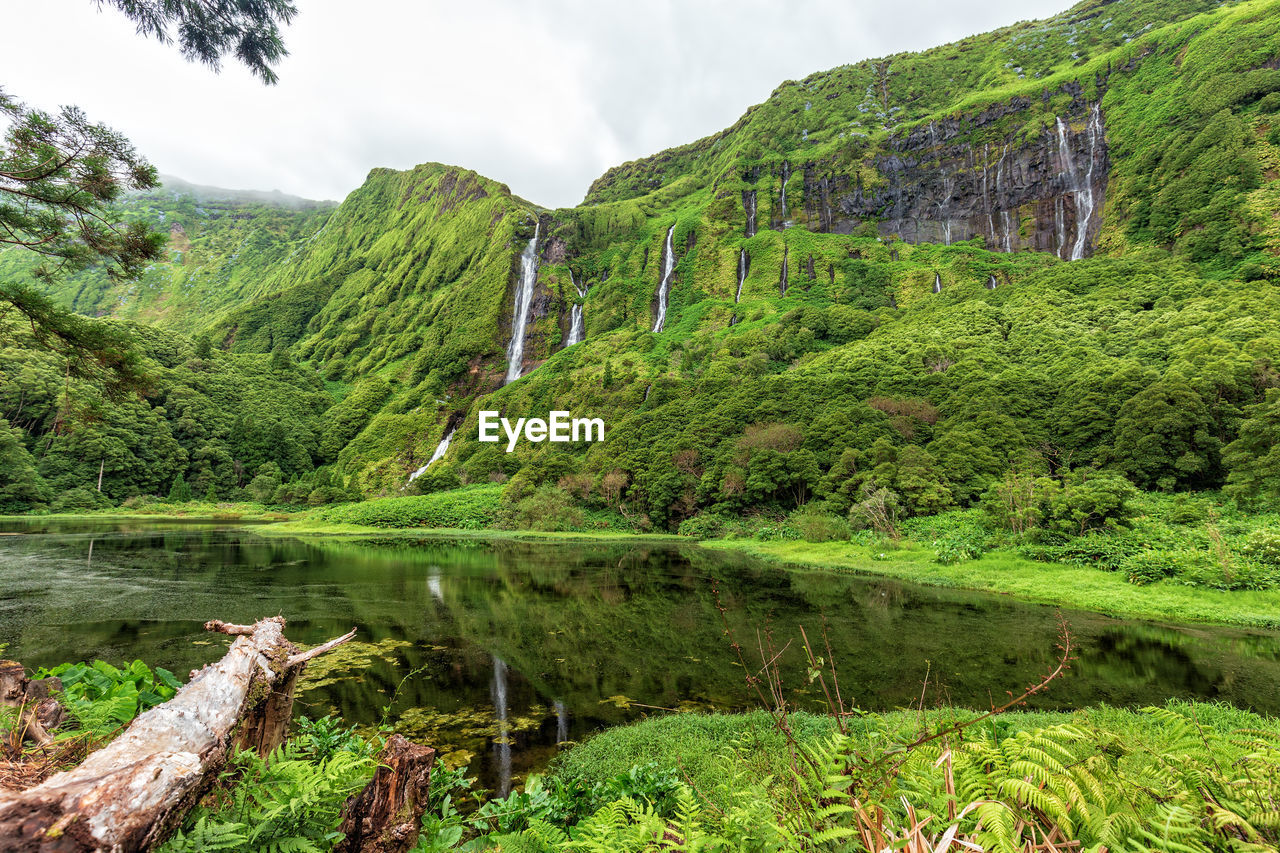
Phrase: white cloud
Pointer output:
(543, 95)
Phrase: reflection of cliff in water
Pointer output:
(582, 631)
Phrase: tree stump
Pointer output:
(386, 815)
(36, 709)
(132, 793)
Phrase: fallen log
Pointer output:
(131, 794)
(386, 815)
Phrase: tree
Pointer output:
(60, 173)
(180, 491)
(21, 487)
(209, 29)
(1254, 457)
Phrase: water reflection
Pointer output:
(496, 653)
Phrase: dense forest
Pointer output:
(1043, 255)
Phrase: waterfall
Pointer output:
(576, 330)
(986, 199)
(562, 722)
(1060, 225)
(744, 263)
(749, 201)
(520, 311)
(441, 448)
(664, 288)
(1081, 191)
(937, 282)
(783, 282)
(1006, 218)
(1084, 193)
(991, 282)
(501, 743)
(786, 175)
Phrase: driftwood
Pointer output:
(36, 711)
(132, 793)
(385, 816)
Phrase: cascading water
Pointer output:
(1084, 194)
(440, 451)
(576, 329)
(501, 743)
(749, 200)
(744, 263)
(520, 311)
(991, 282)
(664, 288)
(786, 175)
(937, 282)
(986, 199)
(783, 282)
(1060, 225)
(1081, 190)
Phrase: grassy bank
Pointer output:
(1002, 572)
(1185, 776)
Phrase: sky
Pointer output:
(543, 95)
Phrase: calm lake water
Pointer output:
(495, 652)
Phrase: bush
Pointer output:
(1147, 567)
(816, 526)
(1095, 550)
(704, 525)
(957, 549)
(81, 498)
(1263, 547)
(549, 508)
(1091, 500)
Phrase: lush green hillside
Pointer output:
(225, 247)
(1050, 249)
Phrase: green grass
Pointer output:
(707, 749)
(1048, 583)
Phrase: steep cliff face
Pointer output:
(939, 185)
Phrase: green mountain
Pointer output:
(1055, 240)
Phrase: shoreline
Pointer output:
(996, 572)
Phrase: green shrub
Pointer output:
(1187, 510)
(1091, 500)
(1096, 550)
(704, 525)
(777, 533)
(820, 527)
(82, 498)
(1147, 567)
(1263, 546)
(548, 508)
(957, 549)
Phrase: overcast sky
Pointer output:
(543, 95)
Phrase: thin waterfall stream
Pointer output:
(439, 453)
(664, 287)
(520, 310)
(576, 329)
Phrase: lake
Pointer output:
(495, 652)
